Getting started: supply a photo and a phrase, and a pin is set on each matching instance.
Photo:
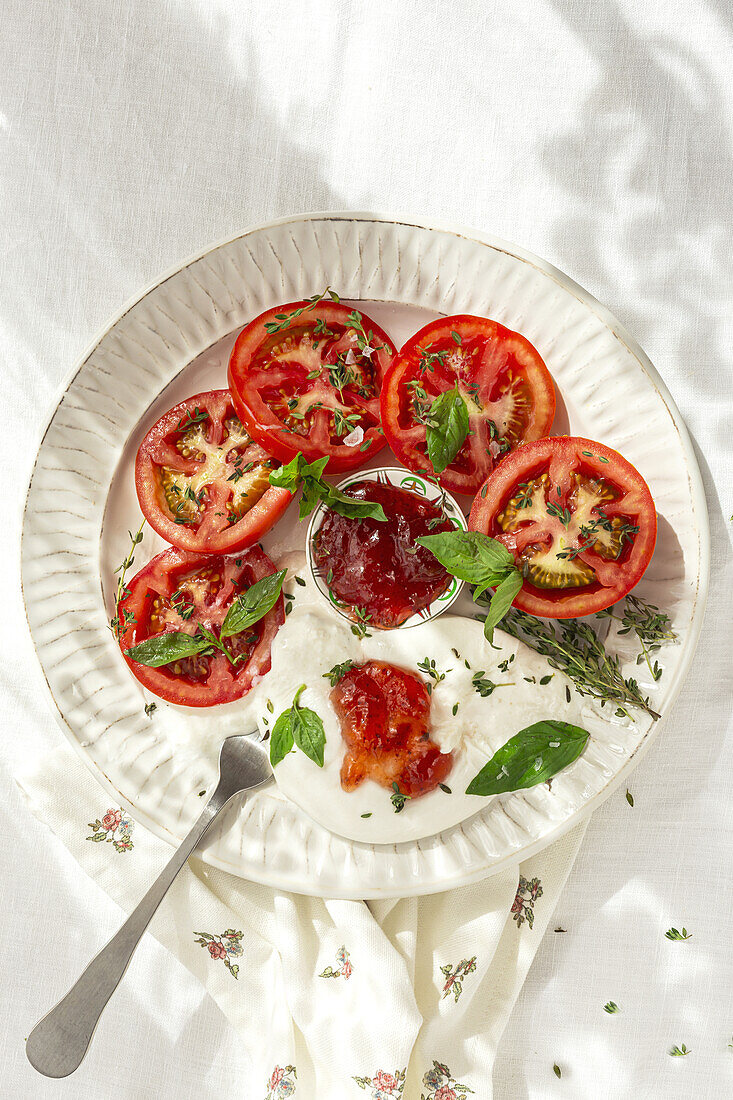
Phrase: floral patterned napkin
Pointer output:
(334, 999)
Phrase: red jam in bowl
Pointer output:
(384, 713)
(376, 566)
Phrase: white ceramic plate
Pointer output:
(174, 341)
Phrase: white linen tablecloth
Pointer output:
(597, 135)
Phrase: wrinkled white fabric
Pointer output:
(338, 990)
(597, 135)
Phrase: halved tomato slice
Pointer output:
(180, 592)
(578, 518)
(202, 482)
(501, 377)
(306, 377)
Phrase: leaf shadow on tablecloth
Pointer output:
(645, 165)
(140, 138)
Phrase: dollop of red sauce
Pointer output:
(376, 566)
(384, 713)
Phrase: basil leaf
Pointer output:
(501, 601)
(293, 473)
(470, 556)
(281, 738)
(532, 756)
(308, 731)
(352, 509)
(301, 726)
(164, 648)
(250, 606)
(288, 476)
(446, 428)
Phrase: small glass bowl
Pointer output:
(400, 478)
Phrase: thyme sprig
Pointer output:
(573, 647)
(365, 340)
(285, 320)
(427, 665)
(651, 626)
(675, 934)
(122, 590)
(360, 628)
(398, 799)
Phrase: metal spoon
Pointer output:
(59, 1041)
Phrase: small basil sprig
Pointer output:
(300, 726)
(481, 561)
(309, 475)
(246, 610)
(532, 756)
(446, 427)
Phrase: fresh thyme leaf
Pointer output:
(122, 590)
(309, 475)
(446, 427)
(563, 514)
(674, 934)
(556, 1070)
(334, 674)
(252, 605)
(532, 756)
(427, 665)
(366, 815)
(573, 647)
(679, 1052)
(359, 628)
(398, 799)
(428, 358)
(444, 787)
(162, 649)
(652, 627)
(610, 1007)
(484, 686)
(196, 417)
(284, 320)
(150, 709)
(629, 797)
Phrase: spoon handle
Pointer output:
(59, 1041)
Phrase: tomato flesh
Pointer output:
(501, 377)
(377, 566)
(384, 713)
(177, 591)
(579, 520)
(313, 385)
(202, 483)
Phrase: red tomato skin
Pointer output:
(254, 412)
(539, 378)
(163, 570)
(524, 463)
(237, 536)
